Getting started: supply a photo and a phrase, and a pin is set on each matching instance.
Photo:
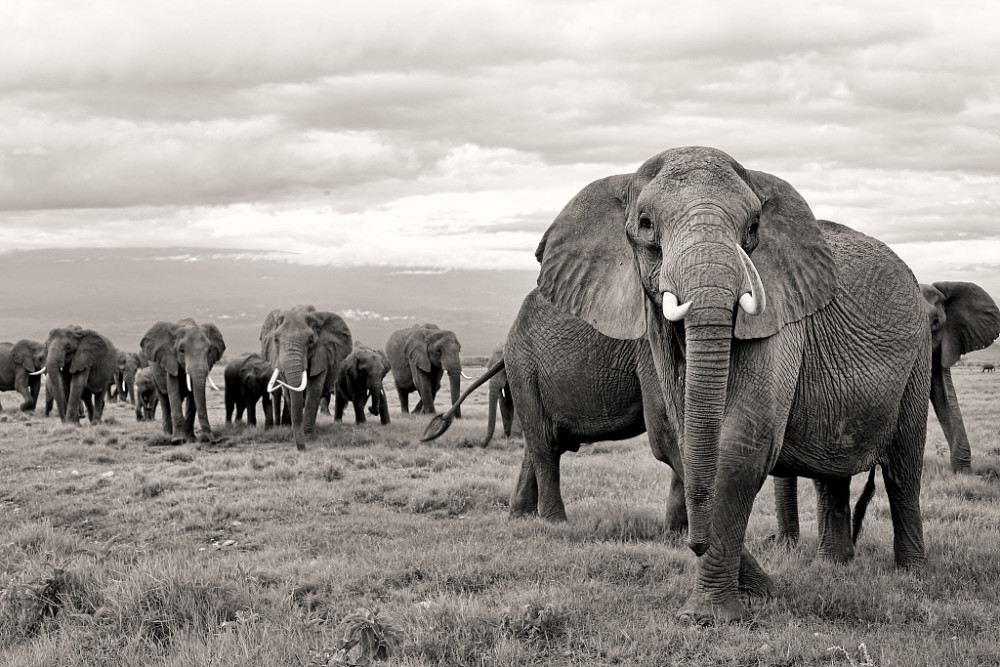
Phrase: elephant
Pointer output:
(247, 377)
(361, 376)
(22, 365)
(988, 368)
(499, 396)
(128, 365)
(783, 344)
(146, 398)
(963, 318)
(419, 357)
(80, 364)
(179, 351)
(306, 347)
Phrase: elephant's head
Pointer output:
(963, 318)
(367, 367)
(667, 251)
(29, 366)
(186, 352)
(306, 347)
(255, 373)
(429, 348)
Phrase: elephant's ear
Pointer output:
(333, 341)
(158, 346)
(416, 350)
(386, 366)
(588, 267)
(23, 355)
(89, 351)
(793, 259)
(216, 345)
(267, 347)
(972, 320)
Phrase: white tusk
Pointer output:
(271, 384)
(466, 376)
(189, 381)
(754, 301)
(671, 310)
(212, 382)
(38, 372)
(302, 387)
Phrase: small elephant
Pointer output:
(81, 365)
(146, 398)
(988, 368)
(178, 352)
(128, 365)
(361, 376)
(419, 357)
(22, 365)
(247, 377)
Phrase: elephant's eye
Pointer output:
(645, 222)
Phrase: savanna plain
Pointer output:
(118, 549)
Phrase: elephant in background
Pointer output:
(361, 376)
(988, 368)
(963, 318)
(499, 395)
(128, 366)
(782, 344)
(146, 397)
(22, 365)
(306, 348)
(80, 364)
(419, 357)
(180, 357)
(247, 377)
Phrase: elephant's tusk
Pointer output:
(274, 383)
(38, 372)
(671, 310)
(302, 387)
(189, 381)
(754, 301)
(465, 376)
(212, 382)
(271, 384)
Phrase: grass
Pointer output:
(116, 548)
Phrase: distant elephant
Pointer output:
(812, 358)
(22, 365)
(128, 365)
(81, 364)
(499, 396)
(571, 385)
(361, 376)
(247, 377)
(419, 357)
(146, 398)
(181, 356)
(988, 368)
(963, 318)
(306, 348)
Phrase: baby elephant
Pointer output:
(146, 398)
(247, 378)
(360, 377)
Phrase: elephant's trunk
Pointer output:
(375, 389)
(197, 375)
(295, 375)
(949, 415)
(54, 365)
(455, 383)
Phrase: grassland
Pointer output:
(116, 550)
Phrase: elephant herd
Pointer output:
(307, 357)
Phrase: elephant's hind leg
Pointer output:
(524, 500)
(833, 513)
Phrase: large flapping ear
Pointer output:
(795, 264)
(333, 341)
(416, 349)
(972, 320)
(24, 354)
(216, 345)
(158, 346)
(267, 347)
(386, 366)
(587, 265)
(91, 349)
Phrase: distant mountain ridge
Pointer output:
(121, 292)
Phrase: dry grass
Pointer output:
(117, 549)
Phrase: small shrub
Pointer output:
(332, 473)
(365, 638)
(535, 622)
(182, 457)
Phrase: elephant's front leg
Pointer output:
(173, 409)
(339, 403)
(190, 412)
(359, 407)
(97, 411)
(77, 384)
(833, 516)
(314, 392)
(425, 387)
(265, 402)
(524, 500)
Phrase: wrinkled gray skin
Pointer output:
(246, 383)
(963, 318)
(20, 364)
(146, 398)
(175, 352)
(829, 378)
(80, 364)
(361, 377)
(300, 341)
(128, 365)
(419, 357)
(499, 396)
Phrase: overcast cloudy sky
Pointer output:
(449, 133)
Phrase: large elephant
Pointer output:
(80, 365)
(500, 396)
(419, 357)
(247, 377)
(360, 377)
(306, 348)
(146, 398)
(128, 366)
(811, 359)
(963, 318)
(22, 365)
(180, 357)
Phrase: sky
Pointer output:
(448, 134)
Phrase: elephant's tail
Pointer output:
(440, 423)
(862, 505)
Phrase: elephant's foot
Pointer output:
(523, 507)
(786, 540)
(754, 582)
(555, 515)
(209, 437)
(699, 610)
